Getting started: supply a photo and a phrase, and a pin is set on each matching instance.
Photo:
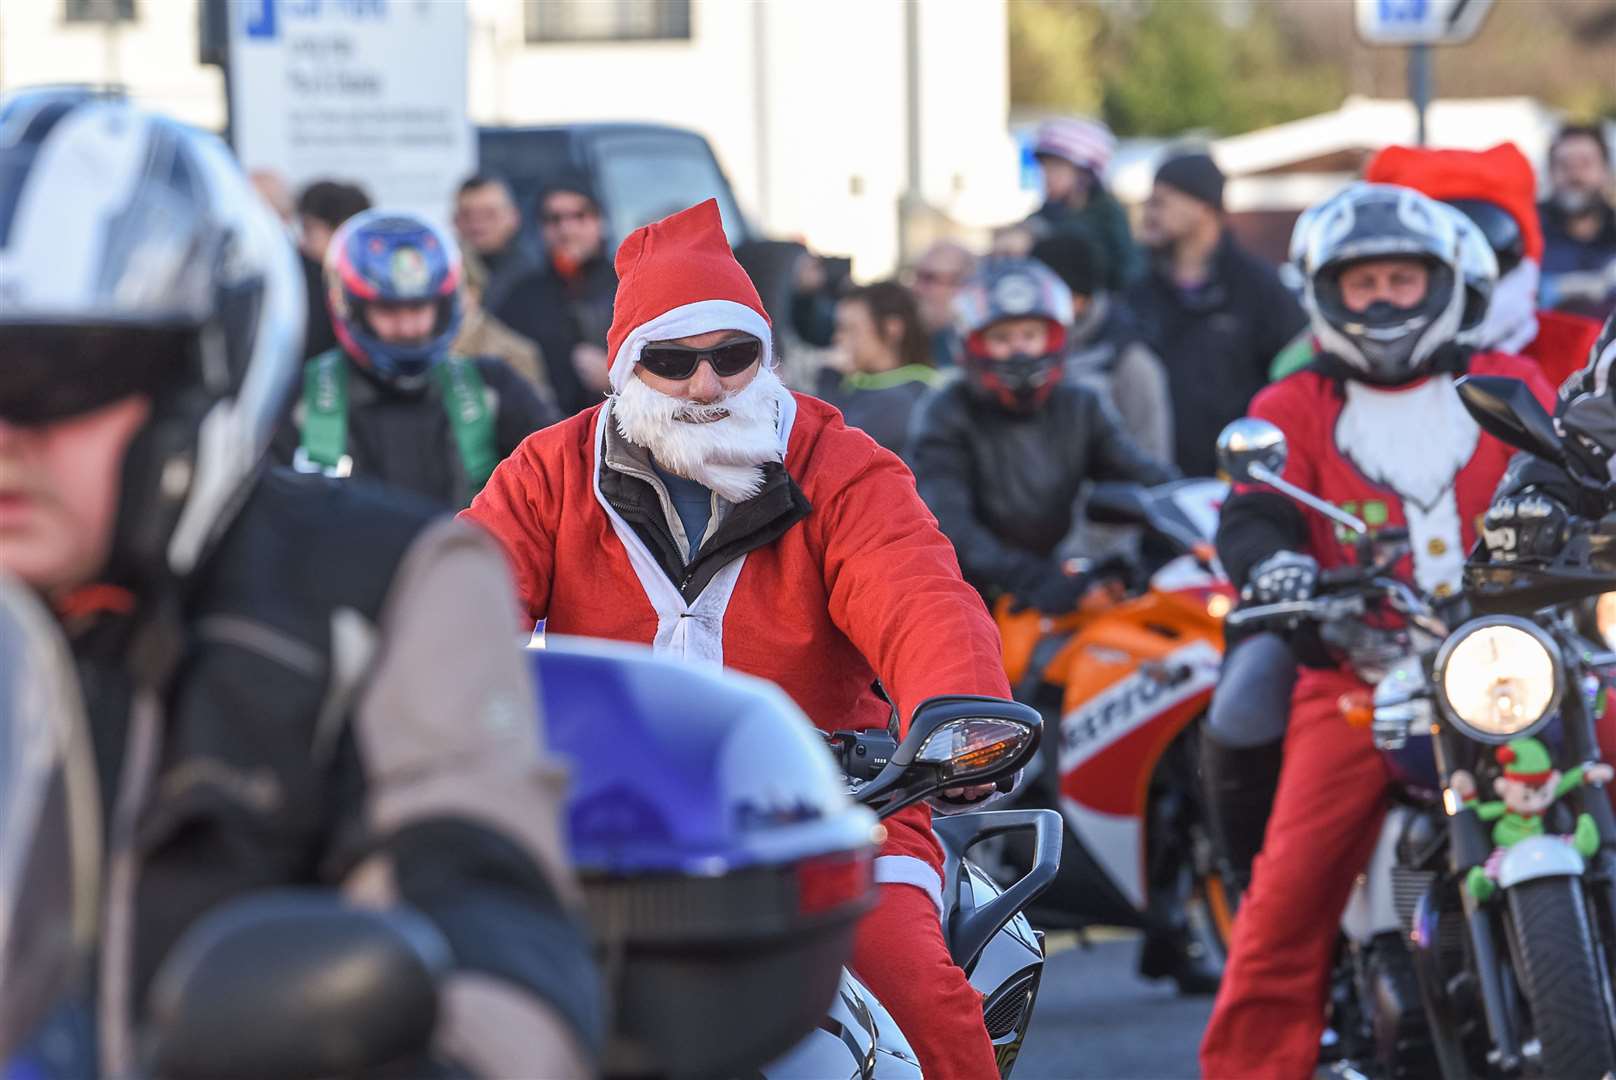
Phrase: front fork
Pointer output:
(1469, 846)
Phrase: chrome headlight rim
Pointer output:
(1439, 677)
(1598, 609)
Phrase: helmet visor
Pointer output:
(50, 373)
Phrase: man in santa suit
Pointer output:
(1498, 190)
(705, 510)
(1374, 426)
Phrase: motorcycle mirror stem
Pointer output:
(1308, 499)
(1254, 451)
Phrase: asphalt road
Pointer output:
(1095, 1019)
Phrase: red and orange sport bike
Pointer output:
(1122, 683)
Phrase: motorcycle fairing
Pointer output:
(1105, 786)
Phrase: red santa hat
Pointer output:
(1500, 175)
(675, 278)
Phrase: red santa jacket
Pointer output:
(1562, 344)
(864, 586)
(1395, 456)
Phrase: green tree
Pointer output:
(1179, 66)
(1160, 67)
(1052, 65)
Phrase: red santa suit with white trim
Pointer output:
(829, 574)
(1378, 429)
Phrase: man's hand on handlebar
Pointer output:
(1283, 577)
(1056, 593)
(1526, 527)
(1066, 587)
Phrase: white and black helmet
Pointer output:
(1385, 344)
(1293, 272)
(134, 258)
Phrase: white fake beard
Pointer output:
(725, 454)
(1511, 320)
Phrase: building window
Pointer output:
(99, 10)
(607, 20)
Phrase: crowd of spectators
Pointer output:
(1173, 319)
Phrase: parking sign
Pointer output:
(1420, 22)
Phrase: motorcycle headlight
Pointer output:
(1605, 618)
(1499, 678)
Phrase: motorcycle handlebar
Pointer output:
(1350, 600)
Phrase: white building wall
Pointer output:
(155, 55)
(804, 101)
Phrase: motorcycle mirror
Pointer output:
(1507, 410)
(955, 741)
(1253, 451)
(1248, 442)
(296, 984)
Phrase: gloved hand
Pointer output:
(1528, 526)
(1054, 593)
(1282, 577)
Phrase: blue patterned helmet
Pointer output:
(389, 257)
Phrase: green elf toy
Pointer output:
(1529, 786)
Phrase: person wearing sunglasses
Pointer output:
(936, 279)
(289, 683)
(707, 511)
(565, 305)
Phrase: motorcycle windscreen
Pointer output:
(50, 819)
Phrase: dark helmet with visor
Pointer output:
(1499, 226)
(1385, 343)
(135, 259)
(1004, 289)
(1478, 268)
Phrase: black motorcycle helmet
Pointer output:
(1478, 267)
(1588, 398)
(1003, 289)
(1499, 226)
(1386, 345)
(134, 258)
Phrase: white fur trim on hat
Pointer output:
(702, 317)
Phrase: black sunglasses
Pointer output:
(681, 361)
(555, 218)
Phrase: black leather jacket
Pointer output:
(1004, 485)
(332, 721)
